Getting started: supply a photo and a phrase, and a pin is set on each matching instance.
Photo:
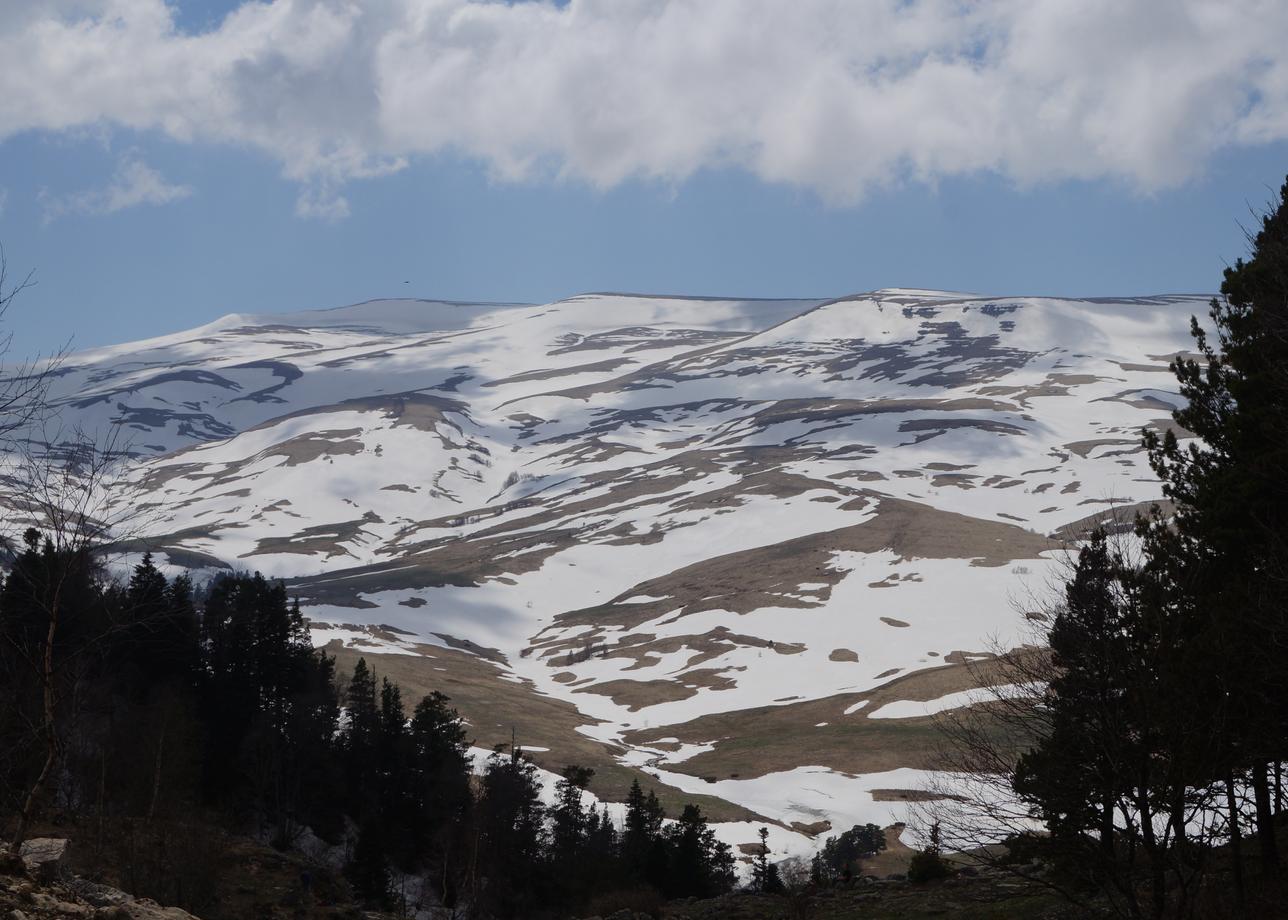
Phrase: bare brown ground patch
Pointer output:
(909, 795)
(326, 540)
(774, 575)
(598, 367)
(295, 451)
(443, 562)
(1119, 518)
(823, 409)
(843, 654)
(1146, 368)
(811, 830)
(639, 694)
(420, 411)
(494, 707)
(646, 649)
(308, 447)
(1084, 448)
(956, 480)
(893, 860)
(761, 740)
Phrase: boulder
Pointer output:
(43, 857)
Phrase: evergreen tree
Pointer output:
(700, 865)
(570, 822)
(439, 777)
(393, 792)
(837, 858)
(361, 729)
(511, 836)
(1118, 740)
(642, 845)
(266, 699)
(764, 874)
(1231, 513)
(1075, 776)
(159, 644)
(366, 869)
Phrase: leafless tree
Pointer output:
(73, 491)
(24, 384)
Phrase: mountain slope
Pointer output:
(708, 539)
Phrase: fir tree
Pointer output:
(511, 837)
(570, 822)
(1231, 513)
(764, 874)
(700, 865)
(642, 846)
(439, 772)
(366, 869)
(1074, 777)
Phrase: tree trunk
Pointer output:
(156, 774)
(50, 731)
(1265, 821)
(1178, 821)
(1158, 882)
(1236, 847)
(102, 803)
(1107, 828)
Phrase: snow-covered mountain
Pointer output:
(744, 547)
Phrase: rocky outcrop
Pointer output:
(46, 891)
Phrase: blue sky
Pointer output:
(143, 206)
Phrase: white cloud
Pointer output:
(322, 202)
(832, 95)
(134, 183)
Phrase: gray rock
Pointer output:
(43, 857)
(96, 894)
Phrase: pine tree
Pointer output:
(439, 777)
(1117, 729)
(570, 822)
(1231, 506)
(838, 857)
(367, 869)
(511, 836)
(643, 853)
(700, 865)
(159, 644)
(1075, 776)
(764, 874)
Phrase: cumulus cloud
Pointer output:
(836, 96)
(134, 183)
